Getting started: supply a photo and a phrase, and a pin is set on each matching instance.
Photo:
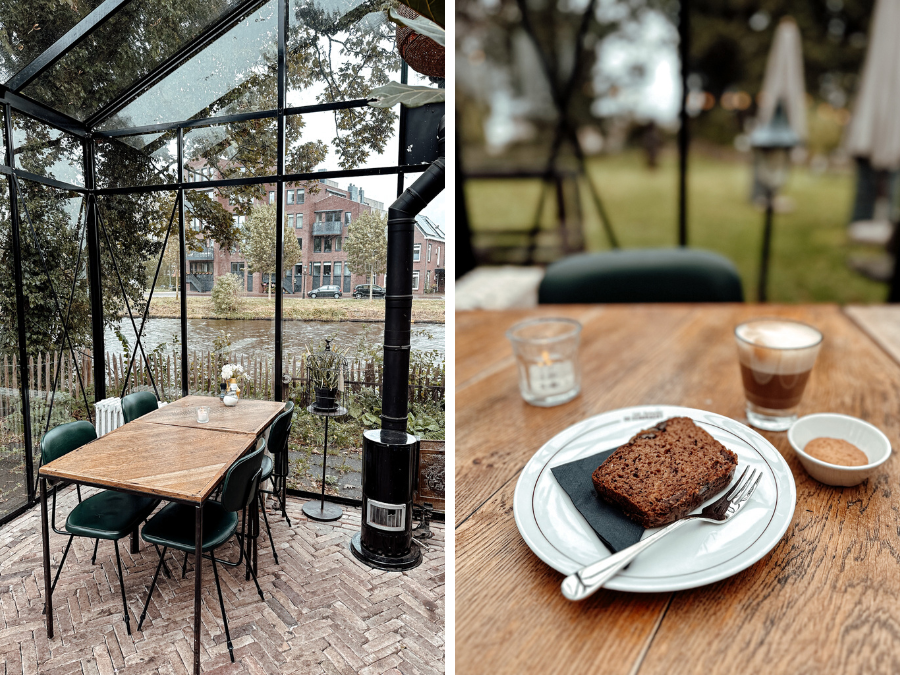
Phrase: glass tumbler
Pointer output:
(203, 413)
(776, 358)
(546, 353)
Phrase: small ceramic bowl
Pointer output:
(863, 435)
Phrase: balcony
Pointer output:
(205, 254)
(327, 228)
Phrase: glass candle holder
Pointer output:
(546, 353)
(203, 413)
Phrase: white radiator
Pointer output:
(109, 414)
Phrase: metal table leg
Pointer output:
(45, 541)
(135, 541)
(198, 569)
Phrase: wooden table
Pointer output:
(824, 600)
(175, 460)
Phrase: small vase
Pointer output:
(233, 388)
(325, 398)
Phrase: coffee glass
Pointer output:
(776, 357)
(547, 356)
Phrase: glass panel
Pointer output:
(122, 51)
(334, 54)
(131, 161)
(132, 236)
(13, 480)
(217, 253)
(58, 312)
(236, 73)
(46, 151)
(236, 150)
(29, 31)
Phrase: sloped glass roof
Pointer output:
(117, 54)
(30, 27)
(236, 73)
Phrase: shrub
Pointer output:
(226, 294)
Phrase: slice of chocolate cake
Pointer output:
(665, 472)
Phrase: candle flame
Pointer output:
(545, 358)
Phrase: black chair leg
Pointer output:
(94, 557)
(122, 588)
(165, 567)
(222, 605)
(184, 566)
(78, 491)
(152, 586)
(252, 571)
(262, 505)
(59, 569)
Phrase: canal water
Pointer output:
(257, 337)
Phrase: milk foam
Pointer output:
(778, 347)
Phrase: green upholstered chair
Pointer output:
(276, 466)
(173, 526)
(107, 515)
(138, 404)
(642, 275)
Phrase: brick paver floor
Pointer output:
(324, 612)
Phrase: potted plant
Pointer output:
(325, 371)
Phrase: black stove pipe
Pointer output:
(390, 454)
(401, 227)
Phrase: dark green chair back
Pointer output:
(280, 429)
(242, 479)
(138, 404)
(65, 438)
(642, 275)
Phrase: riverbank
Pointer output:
(304, 309)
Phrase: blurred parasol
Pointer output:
(874, 129)
(783, 81)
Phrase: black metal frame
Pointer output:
(12, 99)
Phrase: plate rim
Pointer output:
(722, 570)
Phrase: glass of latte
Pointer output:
(776, 358)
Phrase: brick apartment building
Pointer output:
(321, 223)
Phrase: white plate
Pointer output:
(699, 553)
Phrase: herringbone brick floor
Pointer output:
(324, 612)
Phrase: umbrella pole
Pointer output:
(766, 246)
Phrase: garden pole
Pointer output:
(766, 246)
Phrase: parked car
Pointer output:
(362, 291)
(326, 292)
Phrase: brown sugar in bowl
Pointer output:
(866, 437)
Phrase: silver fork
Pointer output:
(588, 579)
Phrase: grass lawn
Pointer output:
(809, 248)
(200, 307)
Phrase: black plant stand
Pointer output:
(324, 511)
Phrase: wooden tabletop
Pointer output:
(168, 453)
(824, 600)
(249, 416)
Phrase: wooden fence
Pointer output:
(425, 382)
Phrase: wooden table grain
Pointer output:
(249, 416)
(178, 463)
(824, 600)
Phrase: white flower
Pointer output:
(232, 370)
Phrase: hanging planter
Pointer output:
(423, 54)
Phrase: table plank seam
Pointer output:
(487, 372)
(639, 661)
(490, 496)
(869, 334)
